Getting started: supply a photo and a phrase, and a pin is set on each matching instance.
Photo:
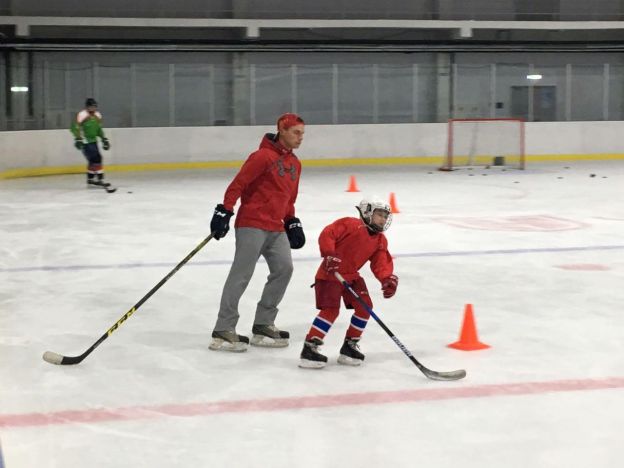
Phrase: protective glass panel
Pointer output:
(223, 106)
(587, 92)
(115, 95)
(80, 81)
(152, 95)
(193, 93)
(314, 93)
(507, 102)
(273, 93)
(355, 94)
(395, 91)
(616, 92)
(472, 91)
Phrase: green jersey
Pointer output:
(87, 126)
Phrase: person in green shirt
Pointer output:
(86, 128)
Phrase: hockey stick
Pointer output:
(431, 374)
(55, 358)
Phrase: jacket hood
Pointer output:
(270, 141)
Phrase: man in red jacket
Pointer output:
(346, 245)
(266, 225)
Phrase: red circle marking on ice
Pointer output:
(536, 223)
(584, 267)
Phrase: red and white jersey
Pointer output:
(354, 244)
(267, 185)
(84, 115)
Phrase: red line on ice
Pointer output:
(92, 416)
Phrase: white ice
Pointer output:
(539, 253)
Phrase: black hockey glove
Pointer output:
(220, 224)
(295, 234)
(78, 143)
(105, 144)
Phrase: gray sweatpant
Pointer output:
(250, 244)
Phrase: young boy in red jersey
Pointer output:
(346, 245)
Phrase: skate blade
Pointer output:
(348, 361)
(307, 364)
(222, 345)
(266, 342)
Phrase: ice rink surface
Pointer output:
(539, 253)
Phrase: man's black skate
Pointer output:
(350, 354)
(228, 341)
(269, 336)
(310, 357)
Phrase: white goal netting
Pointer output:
(485, 142)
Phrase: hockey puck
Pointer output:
(592, 175)
(129, 192)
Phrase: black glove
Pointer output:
(78, 144)
(295, 234)
(105, 144)
(220, 224)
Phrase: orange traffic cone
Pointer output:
(393, 204)
(352, 185)
(468, 339)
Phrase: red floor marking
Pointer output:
(584, 267)
(301, 402)
(542, 223)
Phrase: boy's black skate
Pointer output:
(228, 341)
(350, 354)
(101, 184)
(98, 183)
(310, 356)
(269, 336)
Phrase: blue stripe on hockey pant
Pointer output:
(358, 322)
(321, 324)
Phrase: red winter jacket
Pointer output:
(267, 185)
(351, 241)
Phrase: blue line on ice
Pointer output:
(458, 253)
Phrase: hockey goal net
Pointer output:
(485, 142)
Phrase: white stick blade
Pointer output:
(52, 358)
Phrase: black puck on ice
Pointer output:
(592, 175)
(129, 192)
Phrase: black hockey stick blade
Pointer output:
(430, 374)
(59, 359)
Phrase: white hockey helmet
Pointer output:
(368, 206)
